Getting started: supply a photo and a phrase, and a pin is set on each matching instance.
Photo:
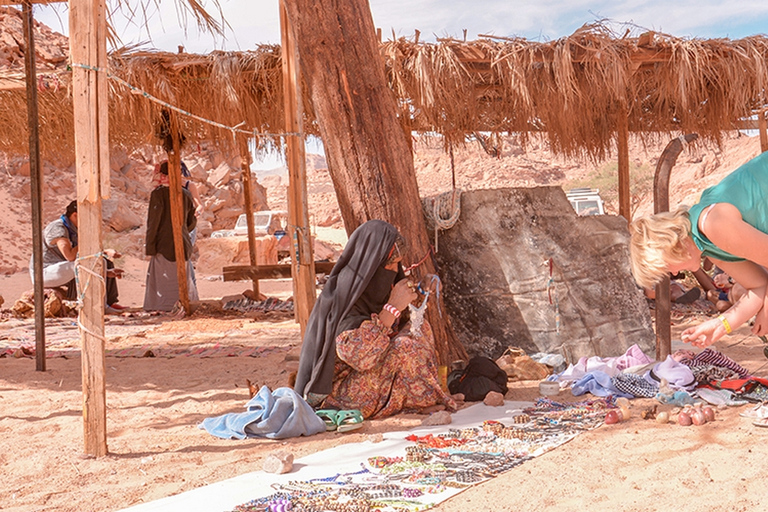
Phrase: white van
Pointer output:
(586, 201)
(267, 222)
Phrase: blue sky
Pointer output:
(256, 21)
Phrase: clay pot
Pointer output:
(684, 419)
(612, 417)
(709, 413)
(662, 417)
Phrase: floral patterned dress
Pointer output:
(382, 374)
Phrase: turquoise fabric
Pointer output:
(746, 188)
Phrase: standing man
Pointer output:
(162, 290)
(60, 253)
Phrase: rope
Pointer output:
(135, 90)
(78, 268)
(408, 270)
(441, 214)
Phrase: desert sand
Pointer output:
(154, 404)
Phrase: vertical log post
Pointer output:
(36, 182)
(177, 211)
(88, 47)
(623, 150)
(661, 204)
(762, 126)
(302, 259)
(245, 163)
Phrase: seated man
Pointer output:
(60, 253)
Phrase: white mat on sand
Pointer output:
(226, 495)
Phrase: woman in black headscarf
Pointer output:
(359, 351)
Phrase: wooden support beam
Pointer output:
(623, 150)
(177, 211)
(245, 163)
(256, 272)
(88, 47)
(36, 183)
(762, 126)
(661, 204)
(302, 259)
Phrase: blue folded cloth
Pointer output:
(599, 384)
(275, 415)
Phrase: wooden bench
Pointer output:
(255, 273)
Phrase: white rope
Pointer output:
(445, 210)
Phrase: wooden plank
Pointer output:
(36, 183)
(245, 157)
(623, 150)
(87, 26)
(302, 259)
(178, 219)
(246, 272)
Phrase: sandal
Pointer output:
(348, 420)
(761, 422)
(329, 416)
(760, 411)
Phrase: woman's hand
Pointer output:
(402, 294)
(703, 335)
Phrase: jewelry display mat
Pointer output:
(341, 460)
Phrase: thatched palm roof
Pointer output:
(576, 89)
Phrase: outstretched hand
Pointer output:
(705, 334)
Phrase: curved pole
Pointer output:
(661, 204)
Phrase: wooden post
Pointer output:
(302, 259)
(661, 204)
(762, 127)
(245, 159)
(623, 150)
(36, 182)
(88, 47)
(177, 211)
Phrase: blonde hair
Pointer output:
(657, 241)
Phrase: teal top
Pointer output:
(746, 188)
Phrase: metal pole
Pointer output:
(36, 182)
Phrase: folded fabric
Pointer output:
(677, 375)
(713, 357)
(678, 398)
(598, 384)
(635, 385)
(276, 415)
(719, 396)
(634, 356)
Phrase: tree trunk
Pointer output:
(369, 158)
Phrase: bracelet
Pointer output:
(725, 324)
(392, 310)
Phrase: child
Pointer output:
(729, 225)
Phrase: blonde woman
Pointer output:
(729, 225)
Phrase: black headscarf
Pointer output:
(358, 286)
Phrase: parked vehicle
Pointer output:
(586, 201)
(267, 222)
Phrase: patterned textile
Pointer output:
(713, 357)
(706, 373)
(635, 385)
(383, 376)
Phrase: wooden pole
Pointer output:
(623, 150)
(302, 259)
(177, 211)
(762, 127)
(88, 47)
(661, 204)
(245, 159)
(36, 183)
